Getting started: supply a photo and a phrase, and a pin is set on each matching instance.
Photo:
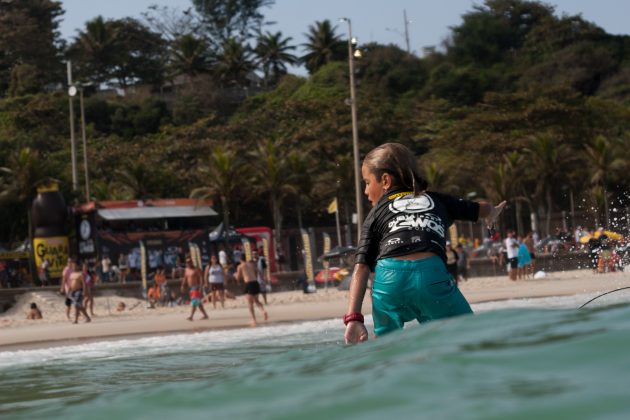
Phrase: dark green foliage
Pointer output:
(517, 93)
(226, 19)
(29, 35)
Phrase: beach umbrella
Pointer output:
(611, 235)
(585, 238)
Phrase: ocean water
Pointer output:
(520, 359)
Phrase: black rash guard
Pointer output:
(402, 224)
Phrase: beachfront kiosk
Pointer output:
(165, 226)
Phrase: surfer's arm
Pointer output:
(355, 329)
(357, 287)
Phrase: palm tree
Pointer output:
(322, 46)
(505, 183)
(25, 171)
(336, 180)
(234, 63)
(189, 57)
(273, 56)
(603, 160)
(548, 160)
(135, 178)
(300, 166)
(273, 177)
(220, 173)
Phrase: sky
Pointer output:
(372, 20)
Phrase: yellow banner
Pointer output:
(54, 250)
(265, 242)
(308, 256)
(143, 265)
(332, 207)
(247, 249)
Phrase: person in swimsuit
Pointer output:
(77, 291)
(403, 241)
(246, 272)
(64, 287)
(193, 281)
(216, 278)
(34, 312)
(88, 277)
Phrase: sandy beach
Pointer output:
(137, 320)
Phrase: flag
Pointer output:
(332, 207)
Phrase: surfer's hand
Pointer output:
(494, 214)
(355, 332)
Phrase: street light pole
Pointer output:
(73, 151)
(85, 158)
(355, 133)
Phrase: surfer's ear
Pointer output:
(386, 180)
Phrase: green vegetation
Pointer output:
(519, 104)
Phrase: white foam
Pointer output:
(280, 335)
(285, 334)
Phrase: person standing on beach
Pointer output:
(193, 281)
(216, 278)
(246, 272)
(511, 247)
(463, 263)
(123, 266)
(89, 279)
(403, 241)
(64, 287)
(261, 273)
(77, 291)
(529, 243)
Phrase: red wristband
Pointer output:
(354, 316)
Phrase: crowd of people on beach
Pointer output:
(198, 286)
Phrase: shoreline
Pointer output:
(17, 333)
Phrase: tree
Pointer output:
(603, 160)
(94, 51)
(548, 160)
(136, 178)
(234, 63)
(273, 56)
(272, 177)
(220, 173)
(300, 166)
(18, 180)
(123, 50)
(29, 35)
(322, 46)
(490, 32)
(231, 19)
(189, 56)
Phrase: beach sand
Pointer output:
(137, 320)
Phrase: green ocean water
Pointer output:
(546, 361)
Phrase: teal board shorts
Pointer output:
(404, 290)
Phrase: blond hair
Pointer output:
(398, 161)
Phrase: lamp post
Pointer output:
(355, 130)
(72, 91)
